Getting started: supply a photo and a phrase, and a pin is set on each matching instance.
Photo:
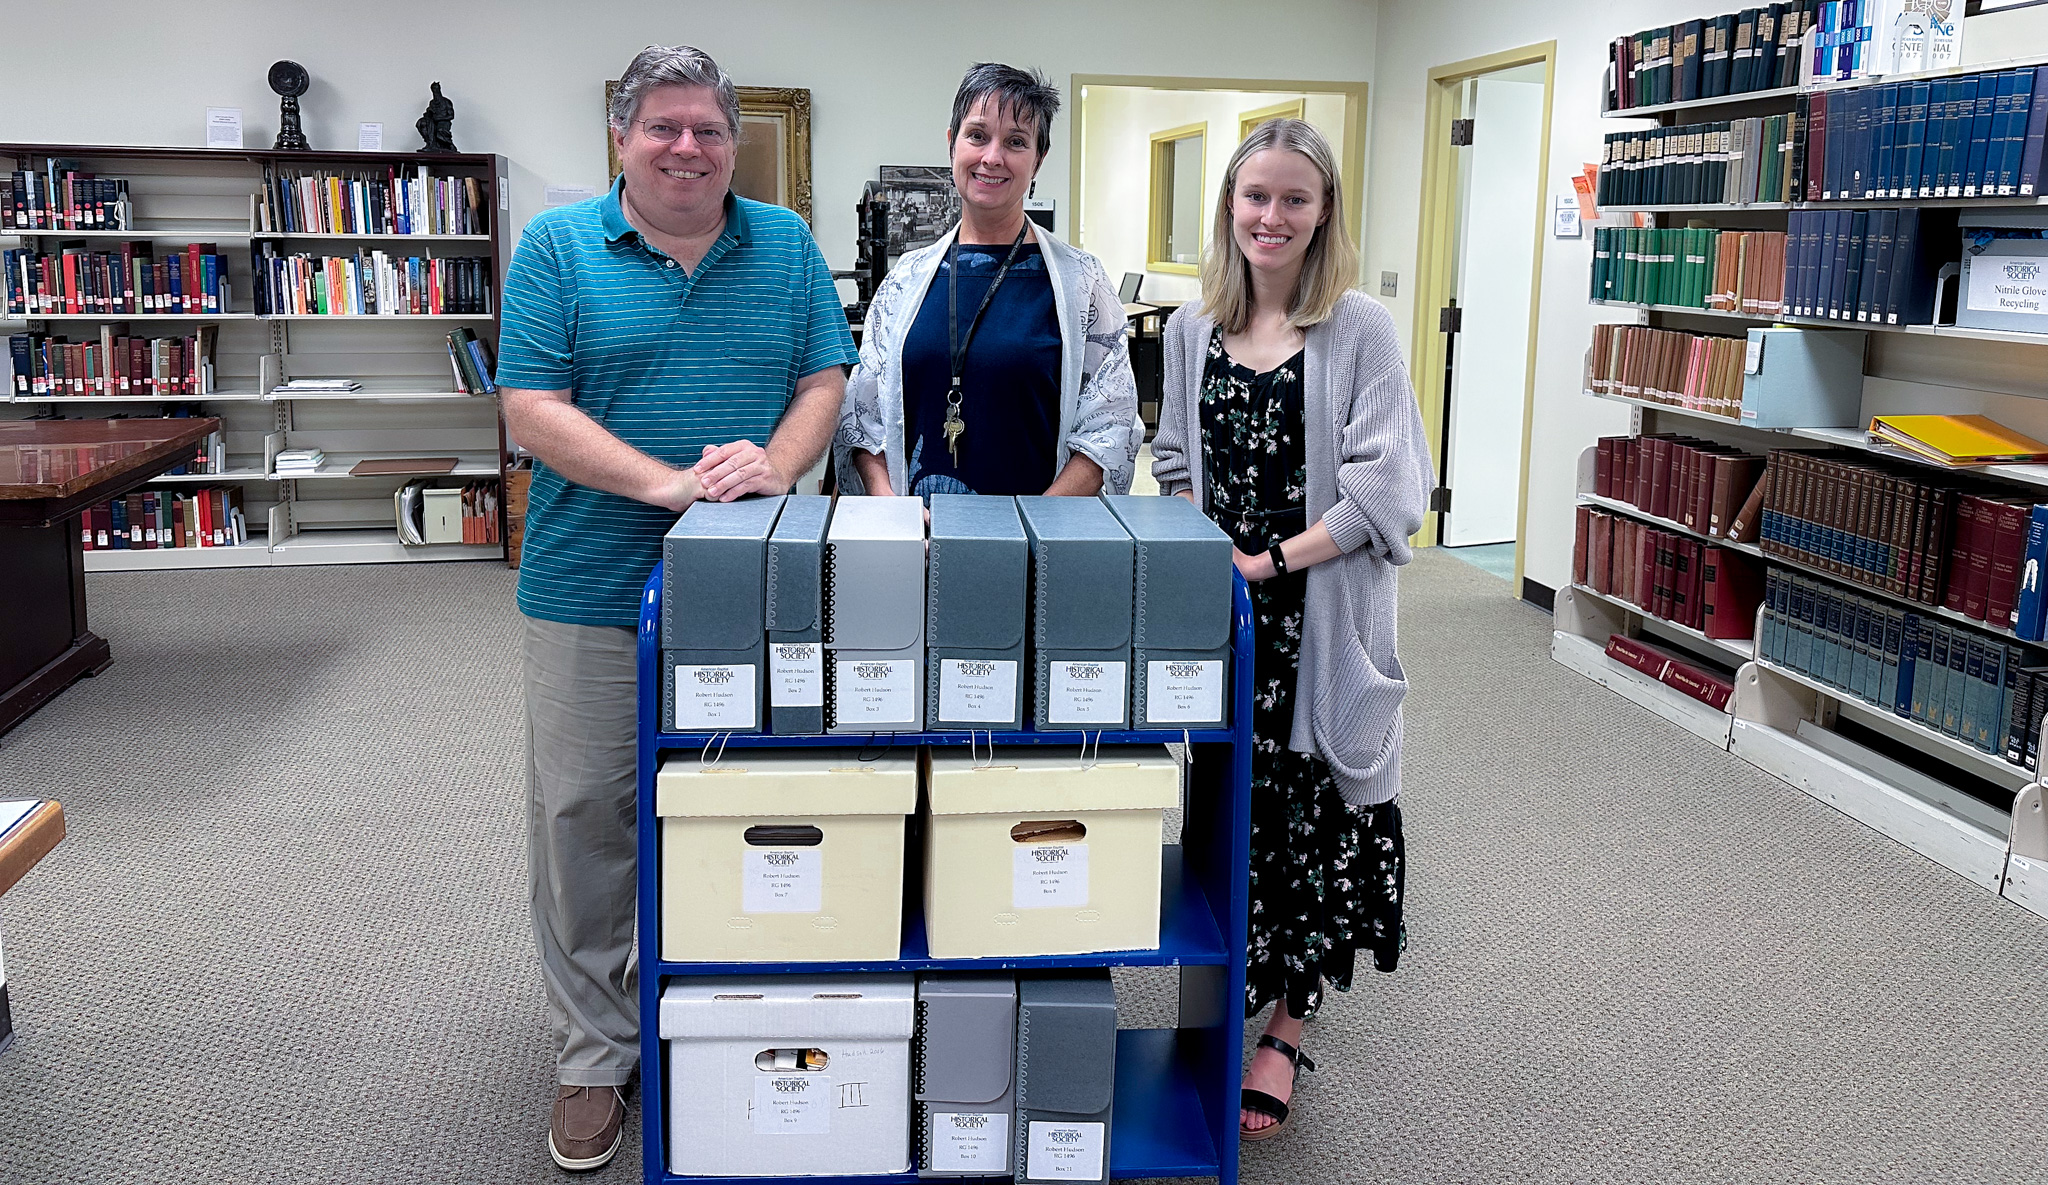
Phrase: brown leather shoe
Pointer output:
(587, 1125)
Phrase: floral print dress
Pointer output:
(1326, 876)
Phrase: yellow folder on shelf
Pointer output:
(1957, 440)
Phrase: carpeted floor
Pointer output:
(286, 939)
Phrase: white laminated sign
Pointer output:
(782, 880)
(970, 1142)
(1085, 693)
(1049, 876)
(792, 1105)
(715, 698)
(977, 691)
(796, 675)
(1183, 691)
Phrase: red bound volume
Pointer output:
(1582, 529)
(2008, 547)
(1711, 690)
(1961, 536)
(1601, 534)
(1732, 594)
(1984, 531)
(1633, 652)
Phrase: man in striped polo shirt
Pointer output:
(652, 338)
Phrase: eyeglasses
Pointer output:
(708, 135)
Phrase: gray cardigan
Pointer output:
(1368, 471)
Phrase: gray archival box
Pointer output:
(1180, 625)
(874, 616)
(1066, 1075)
(796, 619)
(974, 620)
(713, 615)
(1080, 614)
(963, 1079)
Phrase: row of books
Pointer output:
(1693, 371)
(1697, 680)
(58, 198)
(125, 278)
(1947, 678)
(1687, 581)
(1976, 136)
(1860, 519)
(115, 363)
(370, 283)
(1729, 162)
(1732, 54)
(1874, 266)
(1702, 485)
(1696, 267)
(210, 516)
(480, 512)
(471, 358)
(370, 202)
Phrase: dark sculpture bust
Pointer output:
(437, 124)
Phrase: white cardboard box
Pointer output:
(747, 1095)
(1037, 853)
(784, 856)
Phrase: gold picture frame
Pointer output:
(775, 146)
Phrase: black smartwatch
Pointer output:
(1279, 561)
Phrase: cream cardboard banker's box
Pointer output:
(1033, 853)
(788, 1076)
(791, 855)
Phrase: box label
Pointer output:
(975, 692)
(1085, 693)
(1049, 876)
(1183, 692)
(1065, 1152)
(782, 880)
(796, 674)
(876, 691)
(2009, 284)
(964, 1142)
(793, 1105)
(718, 699)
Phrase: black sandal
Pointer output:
(1259, 1102)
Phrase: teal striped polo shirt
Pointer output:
(667, 361)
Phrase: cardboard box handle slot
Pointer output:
(782, 1061)
(1050, 831)
(785, 836)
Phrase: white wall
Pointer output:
(1415, 37)
(527, 78)
(1116, 170)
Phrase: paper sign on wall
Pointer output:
(715, 697)
(223, 127)
(1085, 693)
(963, 1142)
(369, 137)
(1565, 221)
(1065, 1152)
(792, 1105)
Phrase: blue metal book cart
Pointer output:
(1176, 1107)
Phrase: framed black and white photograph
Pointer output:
(922, 205)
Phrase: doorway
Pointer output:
(1480, 257)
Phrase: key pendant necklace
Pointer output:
(956, 424)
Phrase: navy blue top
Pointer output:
(1010, 390)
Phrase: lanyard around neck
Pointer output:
(953, 299)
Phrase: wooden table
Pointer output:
(23, 841)
(49, 471)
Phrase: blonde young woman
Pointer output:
(1288, 418)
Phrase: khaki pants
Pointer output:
(580, 754)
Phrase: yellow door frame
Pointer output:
(1247, 120)
(1350, 154)
(1435, 248)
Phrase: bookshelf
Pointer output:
(409, 403)
(1969, 810)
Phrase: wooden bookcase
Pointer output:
(1968, 810)
(408, 404)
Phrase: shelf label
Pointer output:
(782, 880)
(972, 691)
(964, 1142)
(718, 699)
(1065, 1152)
(1183, 692)
(1086, 693)
(792, 1105)
(2016, 284)
(796, 675)
(876, 691)
(1049, 876)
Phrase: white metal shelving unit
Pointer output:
(1781, 720)
(408, 404)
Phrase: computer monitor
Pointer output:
(1127, 292)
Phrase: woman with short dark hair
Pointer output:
(993, 361)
